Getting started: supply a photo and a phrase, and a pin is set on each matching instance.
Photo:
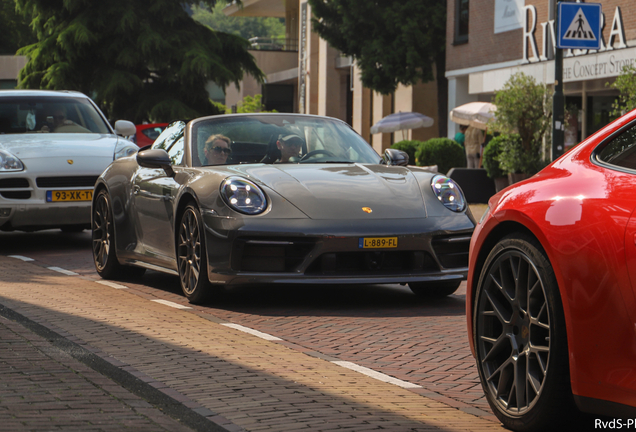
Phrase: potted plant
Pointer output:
(518, 162)
(490, 161)
(524, 108)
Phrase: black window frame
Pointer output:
(461, 34)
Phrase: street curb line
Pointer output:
(195, 418)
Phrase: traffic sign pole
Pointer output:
(558, 100)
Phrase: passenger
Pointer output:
(217, 149)
(289, 147)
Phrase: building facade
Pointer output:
(315, 78)
(489, 40)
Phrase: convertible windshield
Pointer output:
(44, 114)
(275, 139)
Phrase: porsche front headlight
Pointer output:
(8, 162)
(124, 149)
(243, 196)
(449, 193)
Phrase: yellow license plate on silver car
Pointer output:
(377, 242)
(69, 195)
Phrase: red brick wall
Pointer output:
(485, 47)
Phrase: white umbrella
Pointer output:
(476, 114)
(401, 121)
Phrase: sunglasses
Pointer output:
(220, 149)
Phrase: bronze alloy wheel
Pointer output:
(101, 231)
(104, 254)
(191, 256)
(520, 338)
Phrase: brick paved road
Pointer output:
(239, 380)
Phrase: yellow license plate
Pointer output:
(377, 242)
(69, 195)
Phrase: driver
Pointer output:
(289, 146)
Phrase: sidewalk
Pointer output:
(151, 363)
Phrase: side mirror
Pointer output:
(125, 128)
(155, 158)
(396, 157)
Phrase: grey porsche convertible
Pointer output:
(278, 198)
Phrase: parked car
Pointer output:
(551, 291)
(336, 212)
(146, 134)
(53, 146)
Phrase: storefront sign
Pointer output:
(616, 39)
(508, 15)
(602, 65)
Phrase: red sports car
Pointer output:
(551, 298)
(147, 133)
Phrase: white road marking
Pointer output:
(252, 332)
(61, 270)
(171, 304)
(20, 257)
(376, 375)
(111, 284)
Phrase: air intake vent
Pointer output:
(13, 183)
(79, 181)
(452, 251)
(16, 194)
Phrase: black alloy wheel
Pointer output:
(191, 256)
(103, 232)
(520, 338)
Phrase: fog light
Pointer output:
(5, 212)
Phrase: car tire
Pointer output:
(433, 290)
(520, 338)
(103, 233)
(192, 256)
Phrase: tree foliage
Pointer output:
(626, 85)
(138, 60)
(16, 32)
(524, 107)
(246, 27)
(249, 104)
(392, 42)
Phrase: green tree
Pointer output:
(626, 85)
(249, 104)
(138, 60)
(246, 27)
(16, 32)
(392, 42)
(524, 107)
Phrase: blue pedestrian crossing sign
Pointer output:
(579, 26)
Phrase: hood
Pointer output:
(328, 191)
(52, 154)
(43, 145)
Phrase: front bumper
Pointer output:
(328, 251)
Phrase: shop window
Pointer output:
(461, 22)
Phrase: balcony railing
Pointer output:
(273, 44)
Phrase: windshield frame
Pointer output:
(280, 124)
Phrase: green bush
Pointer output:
(410, 147)
(514, 158)
(443, 152)
(490, 159)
